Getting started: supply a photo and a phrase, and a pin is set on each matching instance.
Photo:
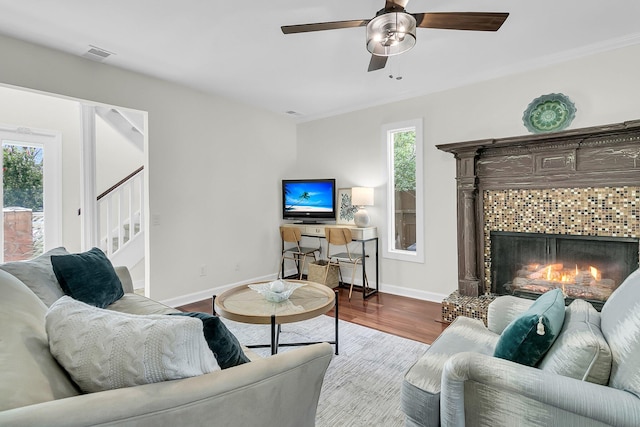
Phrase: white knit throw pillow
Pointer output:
(103, 349)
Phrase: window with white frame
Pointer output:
(404, 237)
(30, 193)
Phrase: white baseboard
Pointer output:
(401, 291)
(412, 293)
(389, 289)
(208, 293)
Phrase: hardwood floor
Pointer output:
(406, 317)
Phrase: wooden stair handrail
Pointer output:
(119, 183)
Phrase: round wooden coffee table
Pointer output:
(243, 304)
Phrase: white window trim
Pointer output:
(388, 233)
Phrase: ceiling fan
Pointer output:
(393, 30)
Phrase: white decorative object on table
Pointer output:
(277, 286)
(277, 291)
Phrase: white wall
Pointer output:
(26, 109)
(213, 166)
(603, 87)
(116, 156)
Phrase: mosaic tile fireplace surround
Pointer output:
(583, 182)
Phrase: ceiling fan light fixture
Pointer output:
(391, 33)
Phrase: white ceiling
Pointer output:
(236, 49)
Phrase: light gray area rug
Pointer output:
(362, 385)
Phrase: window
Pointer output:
(404, 237)
(31, 176)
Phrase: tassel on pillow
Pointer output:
(540, 330)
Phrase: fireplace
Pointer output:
(584, 267)
(578, 188)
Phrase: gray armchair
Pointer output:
(589, 377)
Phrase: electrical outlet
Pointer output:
(203, 270)
(238, 267)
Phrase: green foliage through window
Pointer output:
(22, 177)
(404, 148)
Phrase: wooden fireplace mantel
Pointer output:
(590, 157)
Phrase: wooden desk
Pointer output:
(362, 235)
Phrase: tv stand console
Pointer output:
(362, 235)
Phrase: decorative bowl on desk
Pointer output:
(277, 291)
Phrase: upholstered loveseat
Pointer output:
(590, 376)
(35, 390)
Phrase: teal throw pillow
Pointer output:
(528, 337)
(88, 277)
(224, 345)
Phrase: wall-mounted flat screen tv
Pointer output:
(309, 200)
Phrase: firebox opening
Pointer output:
(584, 267)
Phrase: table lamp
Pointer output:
(361, 197)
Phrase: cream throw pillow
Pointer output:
(580, 352)
(103, 349)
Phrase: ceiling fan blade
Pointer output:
(377, 62)
(395, 4)
(321, 26)
(475, 21)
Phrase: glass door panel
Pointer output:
(30, 192)
(22, 200)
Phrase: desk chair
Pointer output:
(296, 252)
(341, 237)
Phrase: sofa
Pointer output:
(35, 390)
(590, 375)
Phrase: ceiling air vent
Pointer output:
(97, 54)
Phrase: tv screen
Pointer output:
(309, 199)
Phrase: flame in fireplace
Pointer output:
(558, 273)
(580, 282)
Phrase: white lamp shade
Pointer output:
(362, 196)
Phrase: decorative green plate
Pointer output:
(549, 113)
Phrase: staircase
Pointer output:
(120, 220)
